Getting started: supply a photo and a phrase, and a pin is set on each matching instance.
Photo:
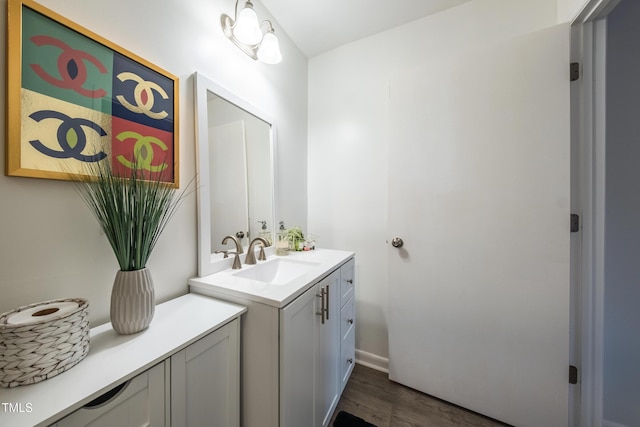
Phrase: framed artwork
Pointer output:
(74, 98)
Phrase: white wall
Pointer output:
(569, 9)
(621, 376)
(50, 246)
(349, 138)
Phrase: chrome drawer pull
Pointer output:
(327, 303)
(322, 306)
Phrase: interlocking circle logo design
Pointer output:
(71, 66)
(143, 95)
(142, 152)
(71, 137)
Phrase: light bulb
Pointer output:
(269, 51)
(247, 28)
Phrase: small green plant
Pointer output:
(295, 233)
(295, 236)
(132, 208)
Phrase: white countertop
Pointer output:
(226, 283)
(114, 358)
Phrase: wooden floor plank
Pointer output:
(370, 395)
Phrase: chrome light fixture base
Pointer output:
(265, 51)
(227, 27)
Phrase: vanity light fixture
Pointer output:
(259, 41)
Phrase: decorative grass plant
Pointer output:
(132, 208)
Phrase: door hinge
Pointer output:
(574, 73)
(575, 223)
(573, 374)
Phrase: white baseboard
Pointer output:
(373, 361)
(607, 423)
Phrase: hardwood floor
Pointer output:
(370, 395)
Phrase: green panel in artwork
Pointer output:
(61, 63)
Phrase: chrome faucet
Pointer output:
(236, 260)
(251, 256)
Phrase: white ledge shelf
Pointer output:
(114, 358)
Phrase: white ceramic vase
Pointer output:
(132, 301)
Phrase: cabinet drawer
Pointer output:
(347, 281)
(347, 319)
(135, 403)
(348, 342)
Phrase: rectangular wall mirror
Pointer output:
(235, 145)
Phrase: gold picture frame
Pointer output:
(74, 97)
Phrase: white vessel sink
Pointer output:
(278, 271)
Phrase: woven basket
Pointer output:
(34, 351)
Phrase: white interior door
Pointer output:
(229, 202)
(479, 192)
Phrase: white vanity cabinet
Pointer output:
(292, 356)
(197, 386)
(184, 370)
(310, 353)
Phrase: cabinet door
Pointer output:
(136, 403)
(328, 364)
(298, 341)
(205, 381)
(310, 356)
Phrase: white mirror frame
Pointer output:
(209, 263)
